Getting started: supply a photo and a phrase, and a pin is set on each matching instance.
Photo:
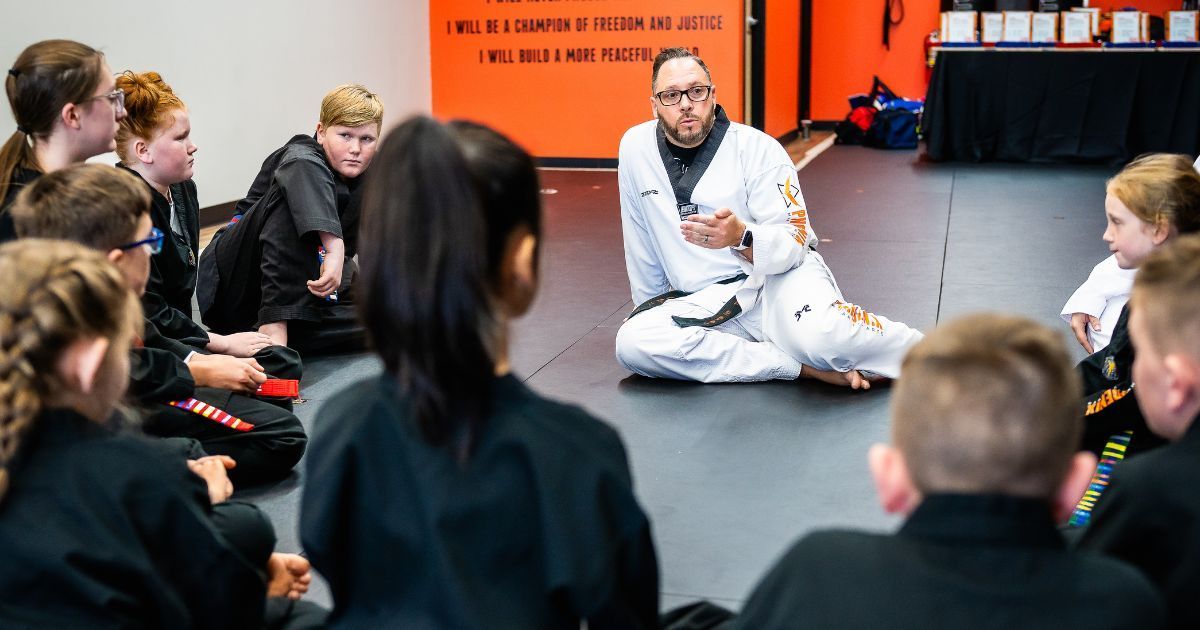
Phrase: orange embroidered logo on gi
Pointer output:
(789, 192)
(859, 315)
(798, 218)
(1106, 398)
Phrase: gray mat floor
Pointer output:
(731, 474)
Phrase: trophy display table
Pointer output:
(1062, 105)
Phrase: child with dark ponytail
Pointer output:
(505, 509)
(64, 99)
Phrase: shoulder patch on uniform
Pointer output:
(789, 192)
(1110, 368)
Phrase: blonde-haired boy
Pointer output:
(1150, 514)
(983, 464)
(283, 265)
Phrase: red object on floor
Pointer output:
(279, 387)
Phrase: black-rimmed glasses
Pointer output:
(154, 242)
(695, 94)
(116, 98)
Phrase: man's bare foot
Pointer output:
(277, 331)
(288, 575)
(852, 379)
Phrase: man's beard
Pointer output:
(693, 138)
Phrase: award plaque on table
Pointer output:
(1182, 26)
(992, 30)
(1076, 27)
(1044, 28)
(1018, 26)
(960, 27)
(1126, 27)
(1094, 14)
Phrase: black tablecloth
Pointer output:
(1062, 106)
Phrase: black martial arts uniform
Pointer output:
(1150, 517)
(105, 530)
(255, 270)
(20, 177)
(1110, 398)
(167, 301)
(538, 529)
(960, 561)
(158, 375)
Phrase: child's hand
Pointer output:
(332, 261)
(212, 470)
(331, 277)
(288, 575)
(243, 344)
(1079, 324)
(226, 372)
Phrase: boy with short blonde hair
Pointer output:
(285, 263)
(985, 426)
(1150, 514)
(351, 105)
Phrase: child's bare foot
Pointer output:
(852, 378)
(288, 575)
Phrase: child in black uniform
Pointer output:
(284, 265)
(101, 529)
(155, 143)
(107, 208)
(1150, 514)
(984, 426)
(505, 509)
(67, 107)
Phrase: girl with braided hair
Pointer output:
(97, 528)
(64, 99)
(108, 209)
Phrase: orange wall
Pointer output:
(562, 108)
(848, 48)
(782, 73)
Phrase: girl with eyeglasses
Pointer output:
(67, 107)
(109, 209)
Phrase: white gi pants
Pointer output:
(800, 317)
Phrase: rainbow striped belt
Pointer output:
(210, 412)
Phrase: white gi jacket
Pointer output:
(1103, 295)
(802, 317)
(750, 174)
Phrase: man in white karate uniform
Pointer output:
(721, 256)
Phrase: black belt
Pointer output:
(727, 312)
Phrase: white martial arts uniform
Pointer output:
(792, 309)
(1102, 295)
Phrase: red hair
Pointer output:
(148, 101)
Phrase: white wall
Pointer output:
(252, 72)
